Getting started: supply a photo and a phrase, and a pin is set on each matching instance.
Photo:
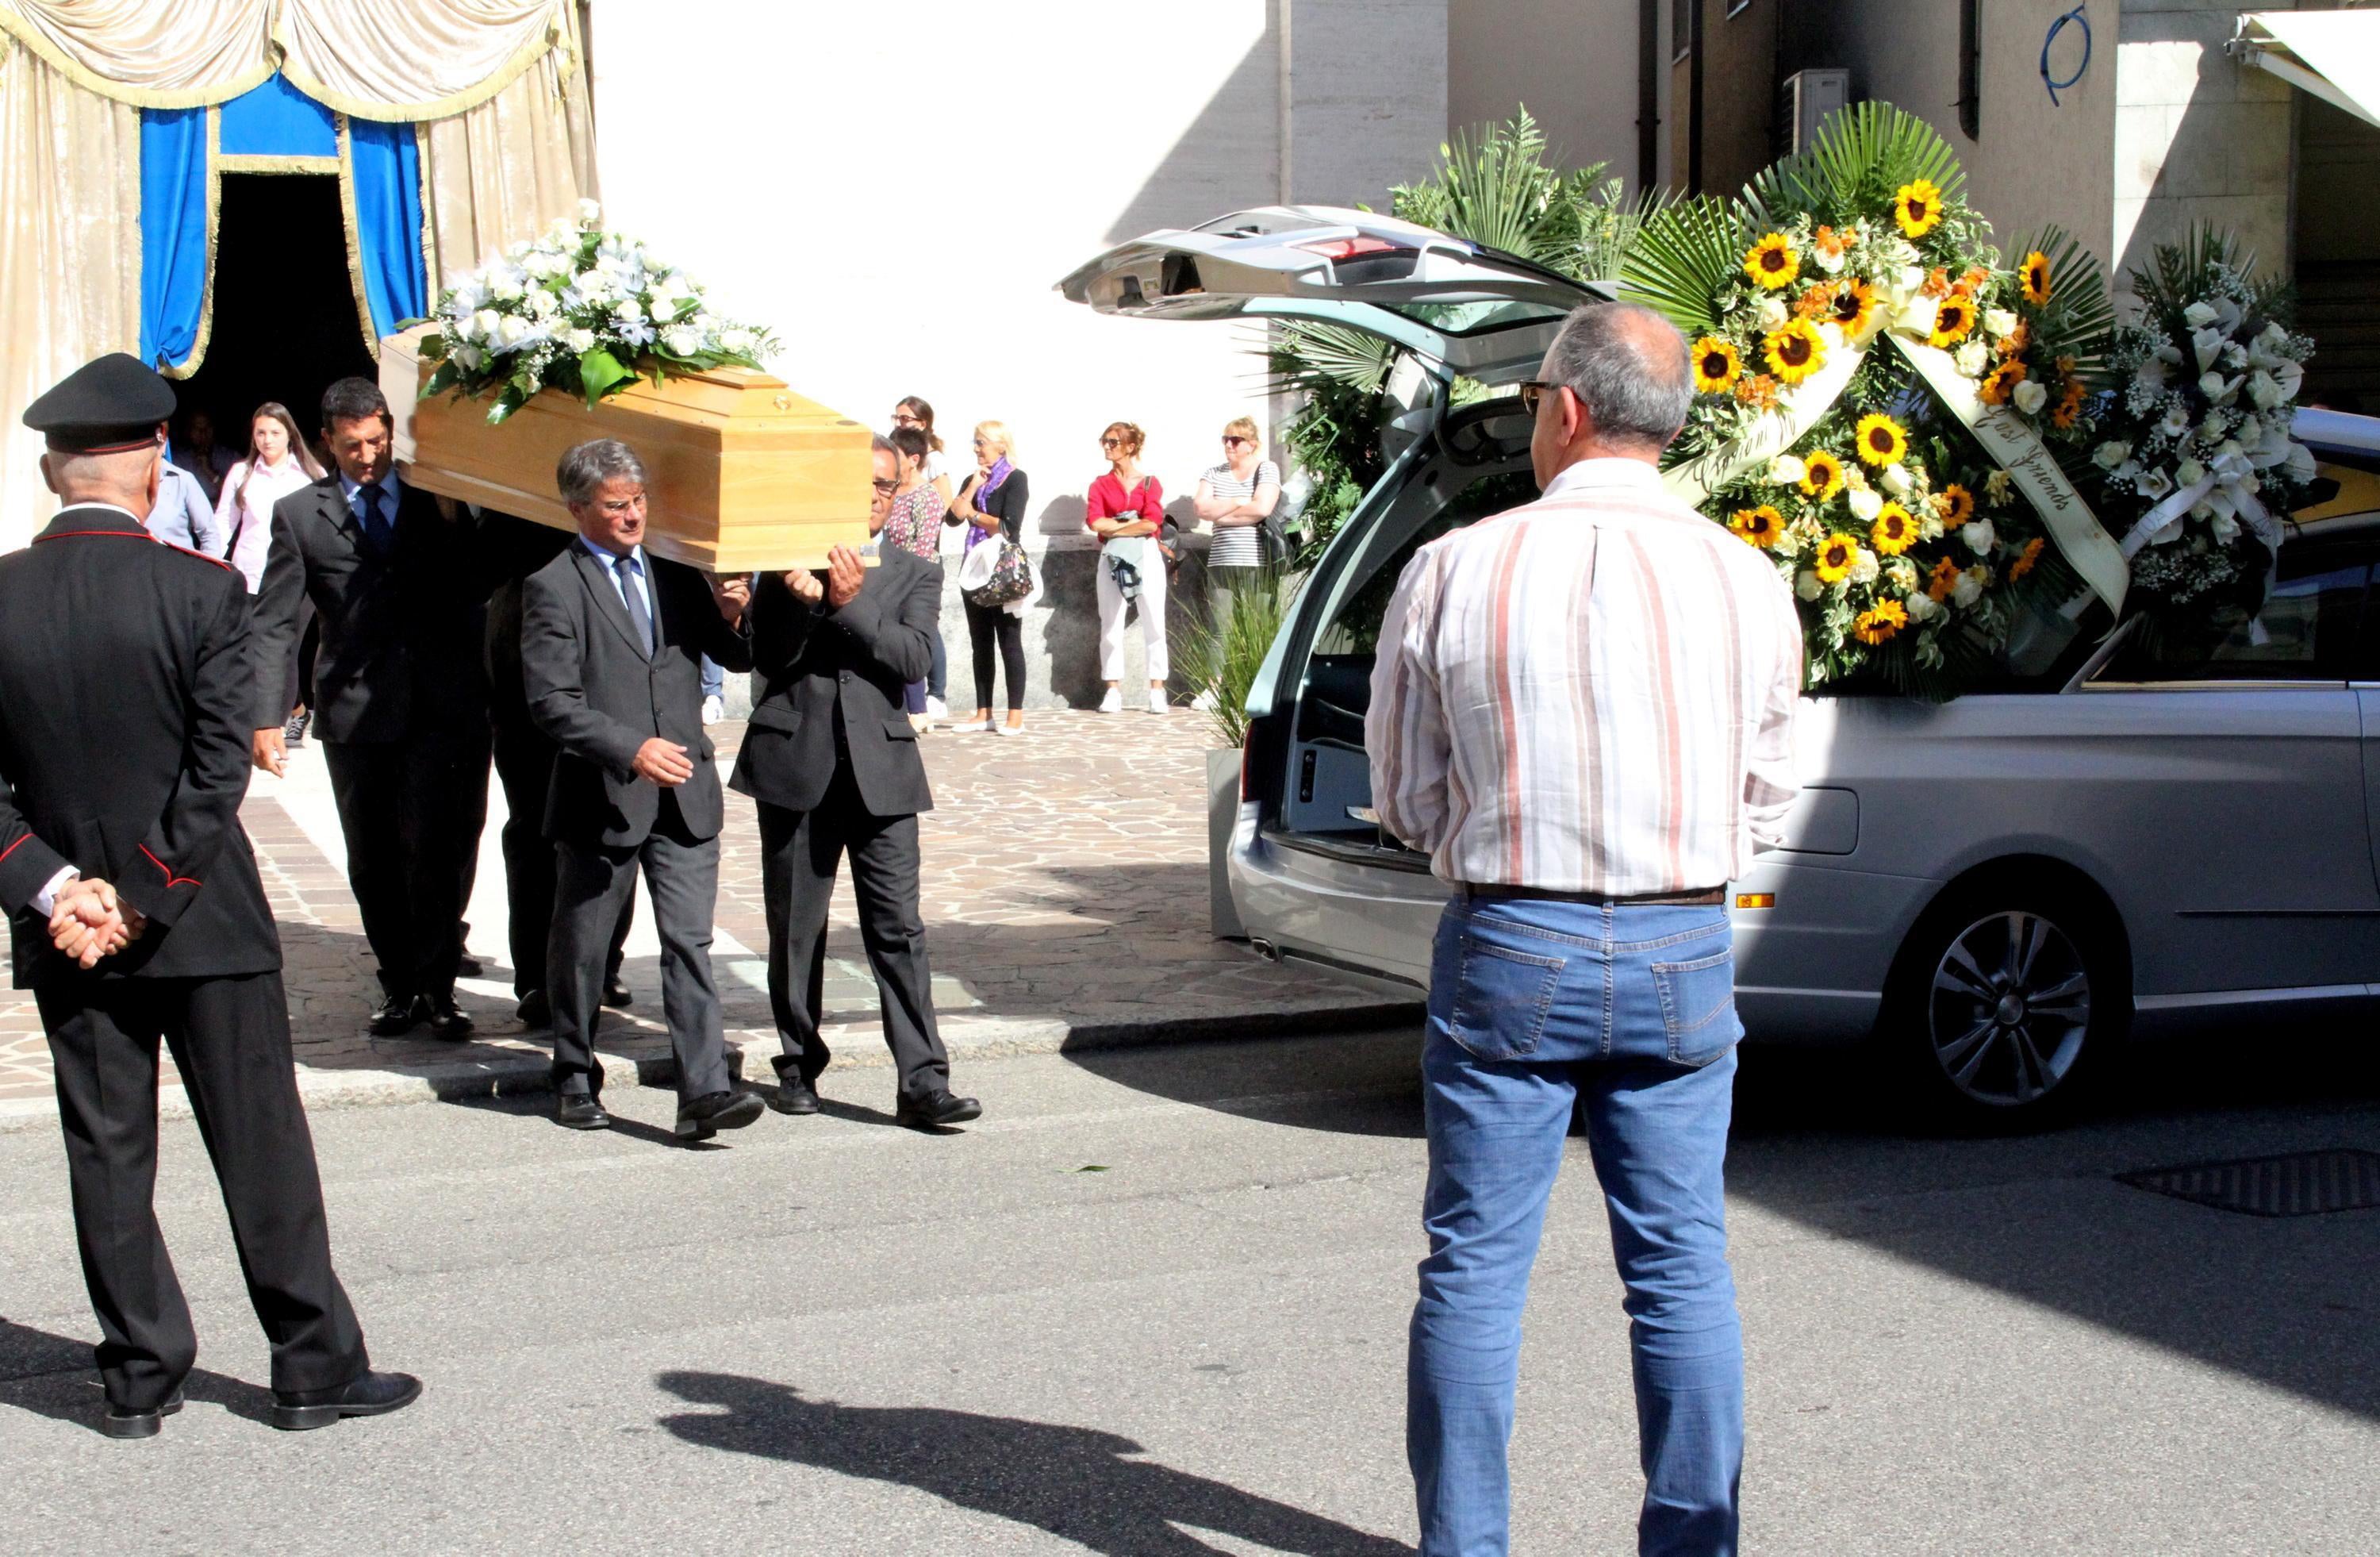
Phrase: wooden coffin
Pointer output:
(746, 475)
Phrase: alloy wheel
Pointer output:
(2008, 1009)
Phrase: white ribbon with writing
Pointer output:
(2229, 487)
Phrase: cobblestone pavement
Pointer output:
(1064, 894)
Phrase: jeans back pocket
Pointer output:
(1501, 996)
(1698, 1006)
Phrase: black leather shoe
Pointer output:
(447, 1020)
(935, 1110)
(793, 1095)
(535, 1010)
(397, 1015)
(579, 1111)
(703, 1117)
(375, 1394)
(616, 993)
(120, 1423)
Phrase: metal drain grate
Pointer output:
(2295, 1184)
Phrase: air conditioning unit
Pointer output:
(1805, 100)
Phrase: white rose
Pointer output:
(505, 285)
(468, 358)
(1807, 585)
(2029, 398)
(2224, 527)
(1921, 606)
(2169, 354)
(2213, 428)
(543, 304)
(2217, 388)
(1832, 263)
(1911, 278)
(682, 341)
(1867, 505)
(1864, 566)
(593, 286)
(1902, 574)
(1896, 481)
(1970, 587)
(589, 213)
(1971, 358)
(2188, 473)
(485, 323)
(2154, 483)
(578, 340)
(2199, 315)
(628, 310)
(1771, 313)
(2109, 455)
(1999, 322)
(735, 339)
(1979, 535)
(513, 329)
(1785, 469)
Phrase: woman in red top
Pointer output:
(1127, 508)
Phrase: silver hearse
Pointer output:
(2110, 842)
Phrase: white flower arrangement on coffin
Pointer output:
(579, 310)
(2196, 468)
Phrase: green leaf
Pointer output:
(1859, 158)
(1092, 1168)
(433, 348)
(446, 377)
(1685, 256)
(600, 373)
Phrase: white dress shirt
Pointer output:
(642, 575)
(247, 514)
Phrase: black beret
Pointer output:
(108, 403)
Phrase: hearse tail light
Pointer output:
(1351, 248)
(1755, 900)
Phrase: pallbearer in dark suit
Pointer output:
(832, 760)
(125, 698)
(611, 646)
(400, 697)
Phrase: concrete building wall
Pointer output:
(1572, 61)
(896, 192)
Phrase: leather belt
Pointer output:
(1710, 898)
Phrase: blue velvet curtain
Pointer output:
(294, 135)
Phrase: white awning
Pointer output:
(2334, 55)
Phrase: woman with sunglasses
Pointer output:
(1125, 507)
(992, 506)
(1236, 497)
(910, 411)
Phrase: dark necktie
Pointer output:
(627, 570)
(377, 528)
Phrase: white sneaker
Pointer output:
(937, 709)
(1113, 701)
(1157, 703)
(713, 709)
(1204, 702)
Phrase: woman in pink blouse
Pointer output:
(278, 463)
(1125, 509)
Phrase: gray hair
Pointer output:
(1627, 365)
(585, 466)
(878, 443)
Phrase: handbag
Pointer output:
(1008, 579)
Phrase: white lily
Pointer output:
(2207, 345)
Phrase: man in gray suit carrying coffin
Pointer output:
(611, 646)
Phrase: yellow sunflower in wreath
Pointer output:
(1942, 580)
(1956, 505)
(1917, 207)
(1762, 527)
(1822, 475)
(1880, 440)
(1715, 365)
(1772, 262)
(2035, 271)
(1879, 624)
(1794, 350)
(1895, 529)
(1854, 304)
(1953, 321)
(1837, 555)
(2000, 383)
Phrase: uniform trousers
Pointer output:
(592, 883)
(411, 812)
(800, 854)
(229, 1037)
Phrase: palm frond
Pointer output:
(1682, 258)
(1612, 222)
(1859, 156)
(1493, 185)
(2079, 310)
(1303, 357)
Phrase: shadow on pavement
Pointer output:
(1074, 1482)
(52, 1376)
(1369, 1086)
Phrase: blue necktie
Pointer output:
(377, 530)
(627, 570)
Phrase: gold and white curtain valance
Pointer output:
(394, 60)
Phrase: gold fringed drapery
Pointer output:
(502, 171)
(70, 255)
(398, 60)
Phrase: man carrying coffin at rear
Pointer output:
(611, 646)
(136, 914)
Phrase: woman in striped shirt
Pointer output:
(1236, 497)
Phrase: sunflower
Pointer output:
(1794, 350)
(1917, 206)
(1952, 321)
(1822, 475)
(1942, 580)
(2069, 409)
(1764, 526)
(1880, 622)
(2025, 561)
(2035, 271)
(1881, 441)
(1772, 262)
(1855, 302)
(1895, 529)
(1836, 555)
(2000, 383)
(1715, 365)
(1956, 505)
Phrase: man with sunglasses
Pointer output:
(1582, 710)
(832, 759)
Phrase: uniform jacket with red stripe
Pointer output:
(125, 720)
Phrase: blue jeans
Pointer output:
(1535, 1008)
(715, 677)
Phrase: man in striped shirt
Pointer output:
(1583, 711)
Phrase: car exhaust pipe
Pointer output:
(1264, 948)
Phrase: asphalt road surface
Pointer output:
(1154, 1303)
